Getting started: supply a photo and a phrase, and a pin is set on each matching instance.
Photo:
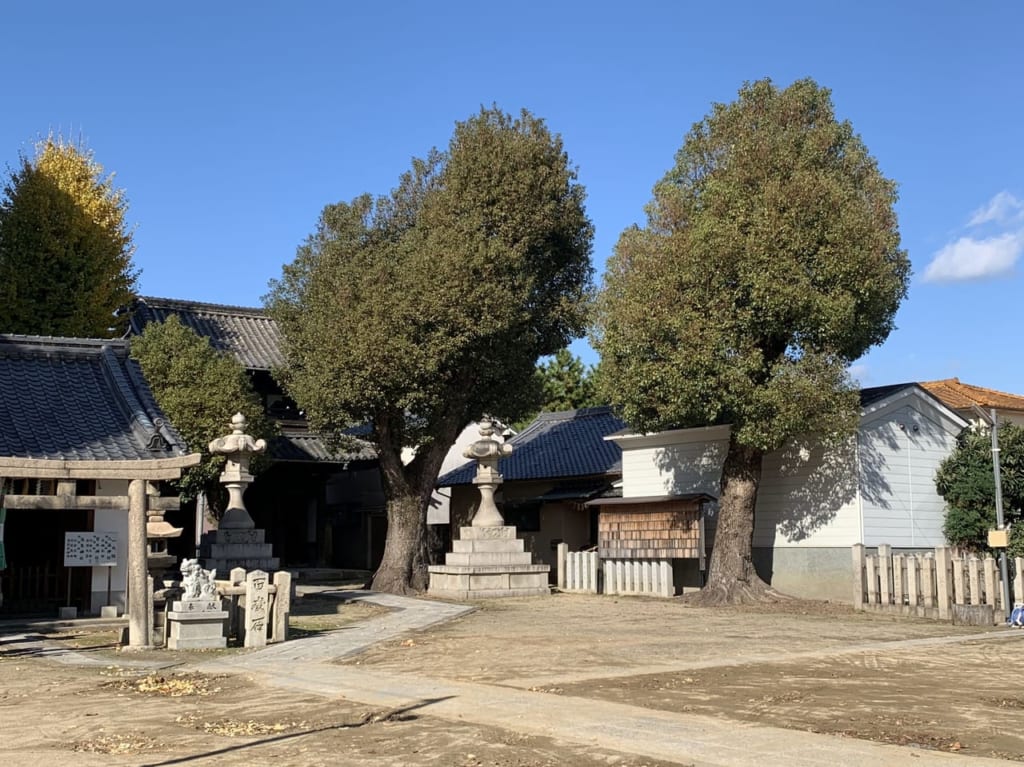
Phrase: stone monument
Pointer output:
(196, 621)
(237, 542)
(488, 560)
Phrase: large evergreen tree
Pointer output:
(419, 311)
(199, 389)
(770, 260)
(65, 250)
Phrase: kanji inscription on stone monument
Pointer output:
(257, 603)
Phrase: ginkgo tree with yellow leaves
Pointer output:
(65, 247)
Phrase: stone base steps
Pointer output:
(470, 595)
(488, 562)
(225, 566)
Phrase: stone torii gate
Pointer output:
(138, 504)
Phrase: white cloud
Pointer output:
(972, 259)
(991, 251)
(1004, 208)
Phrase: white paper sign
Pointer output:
(90, 549)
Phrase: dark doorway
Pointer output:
(36, 582)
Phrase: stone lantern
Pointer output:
(488, 560)
(237, 542)
(239, 448)
(487, 451)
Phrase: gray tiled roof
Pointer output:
(297, 443)
(873, 394)
(565, 444)
(246, 332)
(254, 339)
(78, 399)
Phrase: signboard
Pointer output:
(90, 549)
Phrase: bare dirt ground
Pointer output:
(798, 665)
(54, 714)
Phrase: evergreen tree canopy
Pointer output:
(199, 389)
(418, 311)
(966, 481)
(770, 260)
(65, 250)
(564, 383)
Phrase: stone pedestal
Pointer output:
(223, 550)
(196, 624)
(488, 562)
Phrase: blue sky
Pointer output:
(230, 125)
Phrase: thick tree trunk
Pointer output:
(403, 569)
(731, 576)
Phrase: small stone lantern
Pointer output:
(239, 448)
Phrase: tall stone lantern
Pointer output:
(487, 451)
(237, 542)
(239, 448)
(488, 560)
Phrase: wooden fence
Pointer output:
(584, 572)
(578, 571)
(933, 584)
(641, 577)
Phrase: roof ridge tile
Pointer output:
(181, 303)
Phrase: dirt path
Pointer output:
(63, 716)
(801, 666)
(564, 680)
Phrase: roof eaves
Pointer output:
(178, 304)
(127, 397)
(649, 499)
(902, 391)
(956, 393)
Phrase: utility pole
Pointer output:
(1003, 570)
(993, 422)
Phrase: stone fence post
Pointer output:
(1018, 581)
(561, 557)
(282, 606)
(885, 573)
(858, 576)
(943, 570)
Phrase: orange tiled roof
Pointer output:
(960, 396)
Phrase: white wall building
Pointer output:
(816, 501)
